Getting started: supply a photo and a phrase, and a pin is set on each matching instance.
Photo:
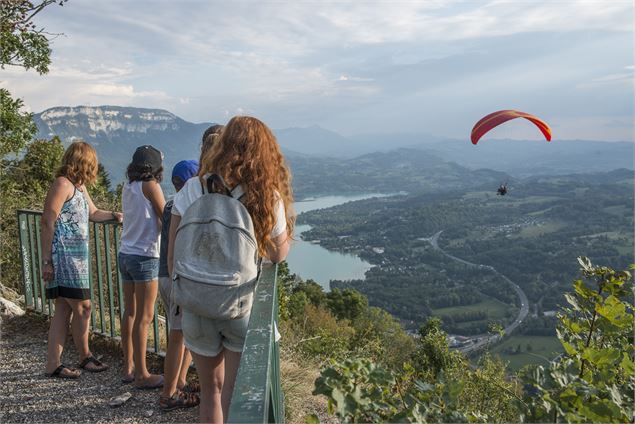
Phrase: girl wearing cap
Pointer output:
(65, 261)
(248, 154)
(143, 202)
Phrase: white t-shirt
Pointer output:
(141, 227)
(192, 190)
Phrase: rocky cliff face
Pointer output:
(117, 131)
(90, 122)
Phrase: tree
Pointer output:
(22, 44)
(26, 45)
(346, 304)
(16, 128)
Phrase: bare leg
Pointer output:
(211, 373)
(185, 367)
(232, 362)
(145, 296)
(79, 326)
(172, 365)
(126, 327)
(57, 334)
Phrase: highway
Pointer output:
(485, 339)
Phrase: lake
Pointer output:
(312, 261)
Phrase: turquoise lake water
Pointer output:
(312, 261)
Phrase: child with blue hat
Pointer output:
(177, 393)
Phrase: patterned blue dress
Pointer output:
(70, 251)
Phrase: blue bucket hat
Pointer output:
(184, 170)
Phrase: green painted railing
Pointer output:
(257, 395)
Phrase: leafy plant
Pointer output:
(594, 381)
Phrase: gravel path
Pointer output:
(27, 395)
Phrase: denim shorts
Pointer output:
(138, 269)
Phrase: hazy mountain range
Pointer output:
(116, 131)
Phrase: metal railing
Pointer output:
(257, 394)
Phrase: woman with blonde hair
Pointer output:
(65, 260)
(246, 154)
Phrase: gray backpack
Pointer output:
(216, 255)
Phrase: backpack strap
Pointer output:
(237, 192)
(216, 184)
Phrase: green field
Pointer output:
(495, 309)
(543, 348)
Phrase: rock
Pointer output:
(148, 413)
(119, 400)
(10, 309)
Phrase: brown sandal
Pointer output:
(179, 399)
(57, 373)
(99, 366)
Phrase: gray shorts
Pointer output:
(174, 313)
(207, 337)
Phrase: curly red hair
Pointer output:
(79, 164)
(247, 153)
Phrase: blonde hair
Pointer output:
(79, 164)
(210, 137)
(247, 153)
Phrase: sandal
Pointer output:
(191, 387)
(98, 365)
(179, 399)
(72, 373)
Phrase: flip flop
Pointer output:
(99, 366)
(58, 373)
(157, 385)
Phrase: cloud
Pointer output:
(348, 65)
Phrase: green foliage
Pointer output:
(346, 304)
(22, 42)
(16, 128)
(595, 380)
(360, 391)
(337, 324)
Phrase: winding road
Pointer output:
(483, 340)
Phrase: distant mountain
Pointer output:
(522, 158)
(117, 131)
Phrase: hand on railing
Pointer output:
(48, 272)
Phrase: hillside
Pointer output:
(317, 152)
(532, 236)
(117, 131)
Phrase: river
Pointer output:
(312, 261)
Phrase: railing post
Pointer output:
(24, 258)
(111, 304)
(102, 318)
(119, 288)
(34, 267)
(38, 258)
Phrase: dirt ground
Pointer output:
(27, 395)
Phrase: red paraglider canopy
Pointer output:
(495, 119)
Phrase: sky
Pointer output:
(428, 67)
